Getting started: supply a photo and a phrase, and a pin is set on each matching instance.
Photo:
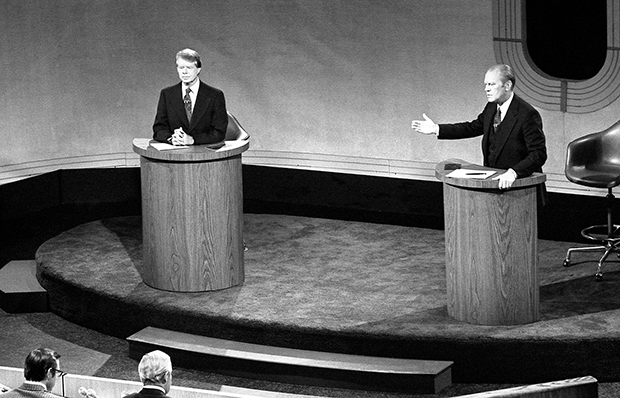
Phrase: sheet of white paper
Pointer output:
(162, 146)
(470, 173)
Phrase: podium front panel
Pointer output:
(491, 255)
(192, 221)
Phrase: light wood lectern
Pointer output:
(192, 216)
(491, 247)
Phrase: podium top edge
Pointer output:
(487, 183)
(194, 153)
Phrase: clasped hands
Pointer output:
(179, 137)
(427, 126)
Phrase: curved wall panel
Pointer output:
(321, 84)
(553, 94)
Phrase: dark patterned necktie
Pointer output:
(188, 104)
(497, 120)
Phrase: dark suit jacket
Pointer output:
(148, 393)
(209, 119)
(520, 141)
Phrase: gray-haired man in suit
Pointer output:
(511, 129)
(155, 370)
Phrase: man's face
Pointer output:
(495, 90)
(188, 72)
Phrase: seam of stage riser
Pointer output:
(436, 375)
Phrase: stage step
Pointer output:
(581, 387)
(20, 290)
(294, 366)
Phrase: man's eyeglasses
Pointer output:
(59, 373)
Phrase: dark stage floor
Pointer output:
(339, 286)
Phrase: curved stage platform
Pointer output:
(348, 287)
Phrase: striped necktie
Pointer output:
(497, 120)
(187, 101)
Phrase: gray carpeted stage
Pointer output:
(351, 287)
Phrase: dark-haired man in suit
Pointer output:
(511, 129)
(190, 112)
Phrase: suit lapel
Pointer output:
(489, 112)
(178, 106)
(202, 102)
(508, 124)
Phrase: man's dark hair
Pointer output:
(38, 362)
(190, 56)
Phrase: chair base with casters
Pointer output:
(608, 234)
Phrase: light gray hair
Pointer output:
(505, 73)
(154, 366)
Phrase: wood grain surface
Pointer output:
(491, 251)
(192, 215)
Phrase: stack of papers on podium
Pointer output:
(470, 173)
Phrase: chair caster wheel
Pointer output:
(566, 263)
(598, 276)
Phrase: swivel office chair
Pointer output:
(235, 131)
(594, 161)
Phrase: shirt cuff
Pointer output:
(514, 173)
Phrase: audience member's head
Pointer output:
(155, 368)
(43, 365)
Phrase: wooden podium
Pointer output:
(192, 216)
(491, 247)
